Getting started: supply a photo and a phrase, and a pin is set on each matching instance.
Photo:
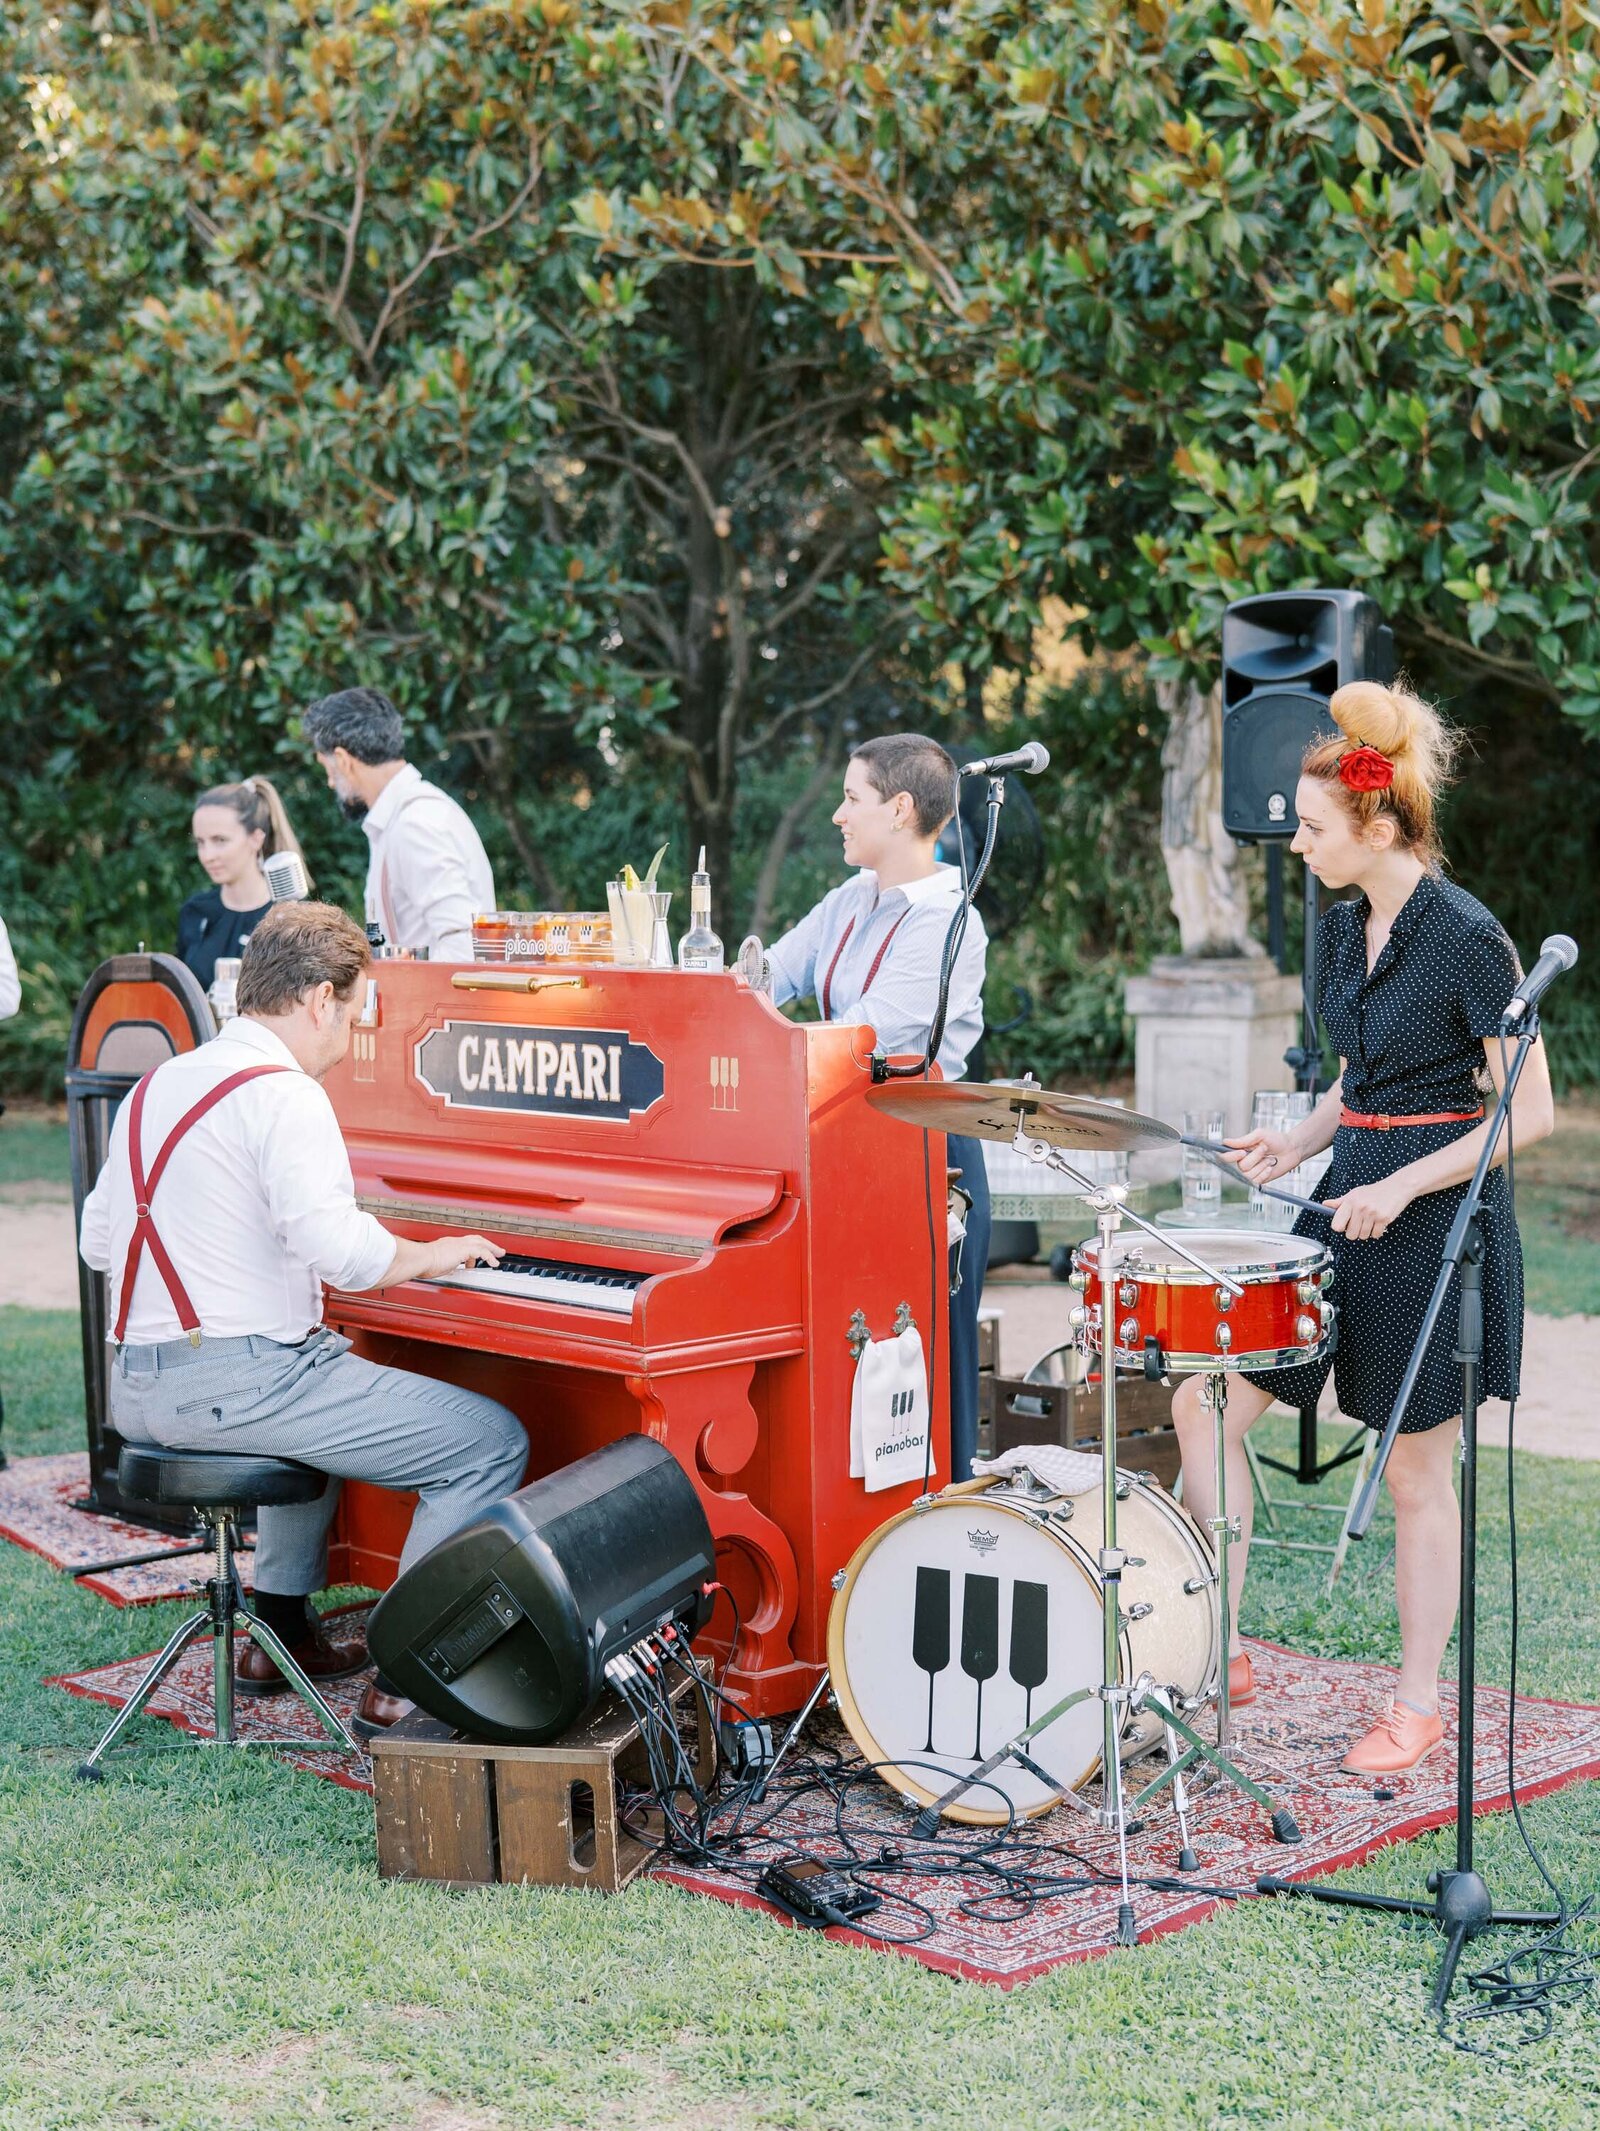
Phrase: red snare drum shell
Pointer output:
(1281, 1318)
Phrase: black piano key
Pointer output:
(1030, 1638)
(980, 1640)
(610, 1276)
(930, 1632)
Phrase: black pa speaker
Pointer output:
(505, 1629)
(1283, 655)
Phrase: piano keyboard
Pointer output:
(580, 1287)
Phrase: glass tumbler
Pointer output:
(1269, 1112)
(1202, 1179)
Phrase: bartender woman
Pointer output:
(869, 953)
(235, 827)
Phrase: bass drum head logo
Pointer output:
(543, 1072)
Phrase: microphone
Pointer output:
(1556, 956)
(286, 877)
(1032, 758)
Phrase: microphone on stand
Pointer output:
(287, 880)
(1556, 957)
(1031, 759)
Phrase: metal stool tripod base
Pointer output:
(219, 1619)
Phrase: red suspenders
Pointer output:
(877, 962)
(144, 1190)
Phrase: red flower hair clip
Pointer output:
(1363, 769)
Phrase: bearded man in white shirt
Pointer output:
(428, 874)
(225, 1202)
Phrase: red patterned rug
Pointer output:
(184, 1699)
(984, 1922)
(36, 1512)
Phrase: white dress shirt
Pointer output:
(10, 982)
(256, 1208)
(428, 875)
(900, 1005)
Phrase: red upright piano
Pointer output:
(703, 1206)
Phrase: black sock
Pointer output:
(384, 1685)
(287, 1617)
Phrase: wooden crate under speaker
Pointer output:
(467, 1814)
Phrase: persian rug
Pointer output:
(36, 1513)
(1000, 1918)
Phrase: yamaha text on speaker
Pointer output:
(1283, 655)
(505, 1629)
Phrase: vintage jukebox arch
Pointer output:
(134, 1012)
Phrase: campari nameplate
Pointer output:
(549, 1072)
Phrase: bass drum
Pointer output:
(960, 1621)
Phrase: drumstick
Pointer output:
(1267, 1191)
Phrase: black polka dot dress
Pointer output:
(1411, 1035)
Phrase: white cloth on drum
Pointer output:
(889, 1413)
(1069, 1472)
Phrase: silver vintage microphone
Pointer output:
(287, 880)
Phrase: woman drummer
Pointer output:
(1414, 975)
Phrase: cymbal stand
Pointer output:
(1117, 1701)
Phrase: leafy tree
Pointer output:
(655, 393)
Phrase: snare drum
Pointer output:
(963, 1619)
(1283, 1316)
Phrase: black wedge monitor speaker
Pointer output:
(505, 1629)
(1283, 655)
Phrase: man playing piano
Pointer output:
(428, 874)
(225, 1202)
(870, 953)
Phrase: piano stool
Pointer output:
(469, 1815)
(219, 1486)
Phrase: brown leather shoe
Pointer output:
(377, 1710)
(318, 1657)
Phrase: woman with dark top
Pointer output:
(1414, 975)
(235, 827)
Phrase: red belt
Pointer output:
(1431, 1117)
(144, 1190)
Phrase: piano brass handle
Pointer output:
(511, 980)
(859, 1335)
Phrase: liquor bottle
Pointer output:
(700, 948)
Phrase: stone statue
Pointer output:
(1208, 886)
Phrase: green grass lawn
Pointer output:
(33, 1148)
(203, 1941)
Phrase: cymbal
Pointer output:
(993, 1110)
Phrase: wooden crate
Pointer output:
(1069, 1414)
(467, 1814)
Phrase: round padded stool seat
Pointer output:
(215, 1479)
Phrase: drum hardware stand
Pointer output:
(790, 1736)
(1117, 1701)
(1462, 1904)
(1357, 1446)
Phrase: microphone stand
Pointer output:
(1462, 1905)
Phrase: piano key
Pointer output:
(580, 1287)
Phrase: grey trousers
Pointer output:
(322, 1405)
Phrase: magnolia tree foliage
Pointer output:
(1188, 302)
(667, 386)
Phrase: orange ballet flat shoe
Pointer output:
(1398, 1741)
(1241, 1681)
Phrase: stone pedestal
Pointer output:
(1208, 1033)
